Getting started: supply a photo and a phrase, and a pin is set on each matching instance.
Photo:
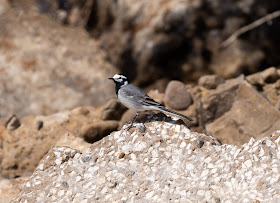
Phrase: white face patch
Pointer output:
(120, 78)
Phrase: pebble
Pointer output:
(199, 142)
(60, 193)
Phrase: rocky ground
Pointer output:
(53, 65)
(167, 163)
(61, 127)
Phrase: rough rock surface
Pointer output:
(235, 112)
(177, 96)
(210, 81)
(10, 188)
(250, 115)
(21, 149)
(166, 163)
(46, 67)
(269, 75)
(215, 103)
(268, 83)
(112, 110)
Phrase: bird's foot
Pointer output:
(142, 128)
(130, 126)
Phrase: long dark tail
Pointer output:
(175, 113)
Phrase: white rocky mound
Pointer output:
(166, 163)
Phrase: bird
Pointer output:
(134, 98)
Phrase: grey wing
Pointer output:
(139, 95)
(148, 101)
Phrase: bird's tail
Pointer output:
(174, 113)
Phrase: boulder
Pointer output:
(167, 163)
(249, 115)
(216, 102)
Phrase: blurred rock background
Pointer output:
(56, 56)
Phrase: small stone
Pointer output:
(199, 142)
(39, 124)
(261, 152)
(121, 155)
(86, 158)
(112, 184)
(65, 184)
(210, 81)
(217, 200)
(78, 178)
(248, 163)
(208, 159)
(142, 128)
(205, 173)
(93, 169)
(12, 123)
(58, 161)
(149, 195)
(183, 144)
(177, 96)
(27, 184)
(84, 201)
(60, 193)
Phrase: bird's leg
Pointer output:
(133, 120)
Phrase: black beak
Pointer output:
(110, 78)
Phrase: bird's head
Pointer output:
(120, 79)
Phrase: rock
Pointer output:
(47, 78)
(269, 75)
(210, 81)
(21, 149)
(177, 96)
(96, 131)
(12, 123)
(71, 141)
(272, 93)
(39, 124)
(152, 161)
(236, 59)
(199, 143)
(216, 102)
(113, 110)
(249, 115)
(10, 188)
(127, 117)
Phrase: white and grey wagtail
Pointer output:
(134, 98)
